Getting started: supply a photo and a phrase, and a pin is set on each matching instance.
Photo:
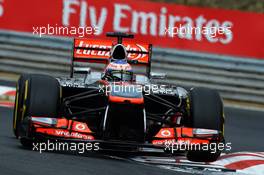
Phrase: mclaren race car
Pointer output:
(122, 107)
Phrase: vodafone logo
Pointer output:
(165, 133)
(80, 126)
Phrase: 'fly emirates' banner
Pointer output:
(164, 25)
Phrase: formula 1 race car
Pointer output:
(118, 107)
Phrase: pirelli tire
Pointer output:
(18, 109)
(206, 111)
(37, 95)
(43, 96)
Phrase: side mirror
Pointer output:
(157, 75)
(82, 70)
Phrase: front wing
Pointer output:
(167, 138)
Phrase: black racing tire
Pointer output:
(43, 96)
(206, 111)
(37, 95)
(18, 108)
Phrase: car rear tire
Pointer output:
(206, 111)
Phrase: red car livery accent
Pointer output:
(62, 128)
(64, 133)
(99, 51)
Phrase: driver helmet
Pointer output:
(118, 52)
(118, 70)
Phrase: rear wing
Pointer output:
(98, 51)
